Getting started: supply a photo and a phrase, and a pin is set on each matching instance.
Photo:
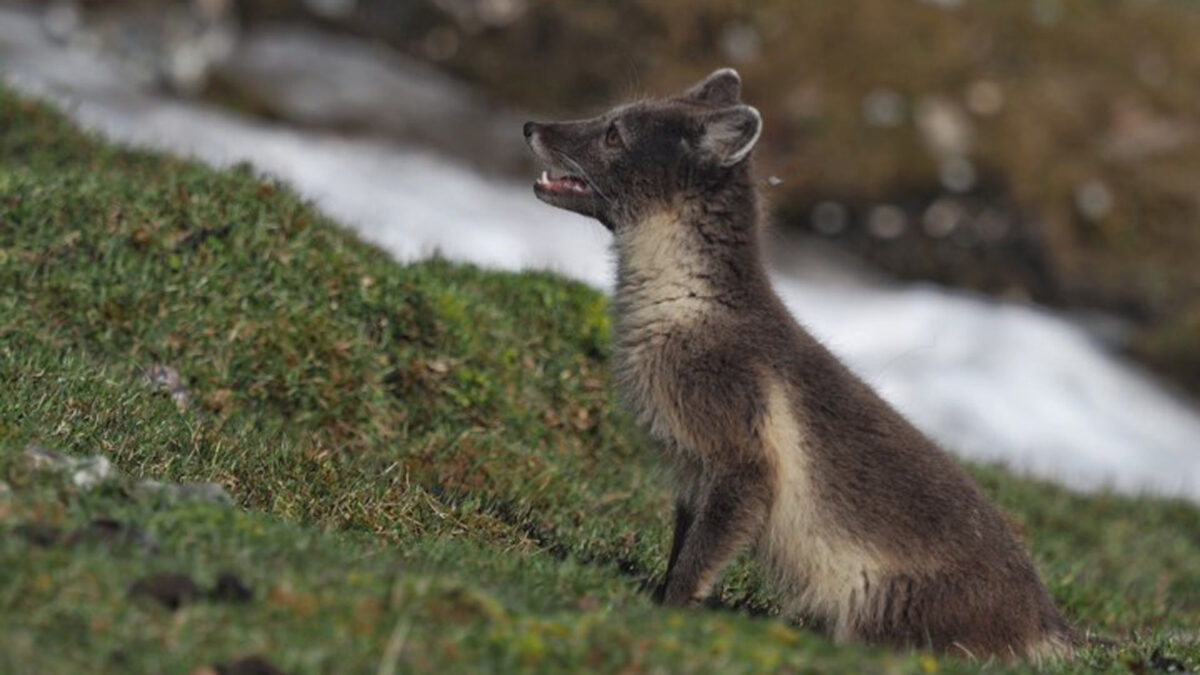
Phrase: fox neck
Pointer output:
(689, 257)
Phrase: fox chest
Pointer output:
(648, 363)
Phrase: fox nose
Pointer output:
(529, 127)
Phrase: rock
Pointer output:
(172, 589)
(5, 491)
(88, 472)
(166, 379)
(45, 460)
(213, 493)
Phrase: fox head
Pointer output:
(626, 163)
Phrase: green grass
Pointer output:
(425, 457)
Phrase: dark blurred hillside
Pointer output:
(1042, 149)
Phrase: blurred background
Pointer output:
(990, 208)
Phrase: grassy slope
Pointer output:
(424, 455)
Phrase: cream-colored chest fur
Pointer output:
(662, 296)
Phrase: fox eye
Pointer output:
(613, 137)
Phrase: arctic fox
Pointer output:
(865, 526)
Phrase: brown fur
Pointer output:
(863, 523)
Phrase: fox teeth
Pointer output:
(545, 177)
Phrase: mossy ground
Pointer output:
(428, 466)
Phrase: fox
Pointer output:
(865, 527)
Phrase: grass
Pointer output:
(428, 466)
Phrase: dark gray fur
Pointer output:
(699, 331)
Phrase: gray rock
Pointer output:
(86, 472)
(213, 493)
(45, 460)
(165, 378)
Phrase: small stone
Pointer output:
(88, 472)
(45, 460)
(250, 665)
(172, 589)
(230, 588)
(166, 379)
(5, 491)
(213, 493)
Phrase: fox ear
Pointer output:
(729, 134)
(722, 87)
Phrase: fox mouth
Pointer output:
(567, 191)
(566, 184)
(563, 182)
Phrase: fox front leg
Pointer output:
(727, 516)
(684, 514)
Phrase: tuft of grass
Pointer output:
(429, 469)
